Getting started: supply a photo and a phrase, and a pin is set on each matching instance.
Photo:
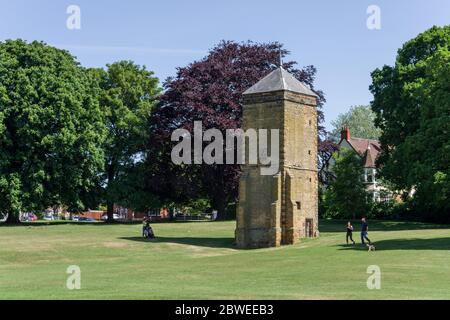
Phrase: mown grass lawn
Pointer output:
(199, 261)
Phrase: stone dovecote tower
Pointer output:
(280, 209)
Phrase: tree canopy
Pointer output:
(360, 120)
(412, 104)
(51, 129)
(128, 96)
(346, 196)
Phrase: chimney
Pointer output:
(345, 133)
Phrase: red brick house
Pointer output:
(369, 151)
(132, 215)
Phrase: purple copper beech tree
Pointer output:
(210, 90)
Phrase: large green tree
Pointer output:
(360, 120)
(129, 93)
(412, 103)
(346, 196)
(51, 129)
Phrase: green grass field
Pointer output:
(198, 261)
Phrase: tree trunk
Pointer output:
(110, 211)
(12, 219)
(110, 202)
(219, 196)
(171, 214)
(221, 210)
(220, 204)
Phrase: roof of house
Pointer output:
(368, 149)
(278, 80)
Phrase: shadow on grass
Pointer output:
(326, 226)
(404, 244)
(225, 243)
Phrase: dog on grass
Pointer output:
(371, 247)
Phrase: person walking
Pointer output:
(349, 232)
(364, 231)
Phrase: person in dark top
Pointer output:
(364, 231)
(349, 232)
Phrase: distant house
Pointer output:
(93, 214)
(132, 215)
(127, 214)
(368, 150)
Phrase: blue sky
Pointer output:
(332, 35)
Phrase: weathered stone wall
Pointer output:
(300, 167)
(272, 210)
(259, 209)
(258, 216)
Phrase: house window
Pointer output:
(376, 197)
(370, 175)
(153, 213)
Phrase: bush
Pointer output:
(383, 210)
(346, 197)
(197, 206)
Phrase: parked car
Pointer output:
(49, 217)
(115, 216)
(85, 219)
(29, 217)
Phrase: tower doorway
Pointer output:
(309, 228)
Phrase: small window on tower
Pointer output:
(310, 123)
(299, 205)
(309, 152)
